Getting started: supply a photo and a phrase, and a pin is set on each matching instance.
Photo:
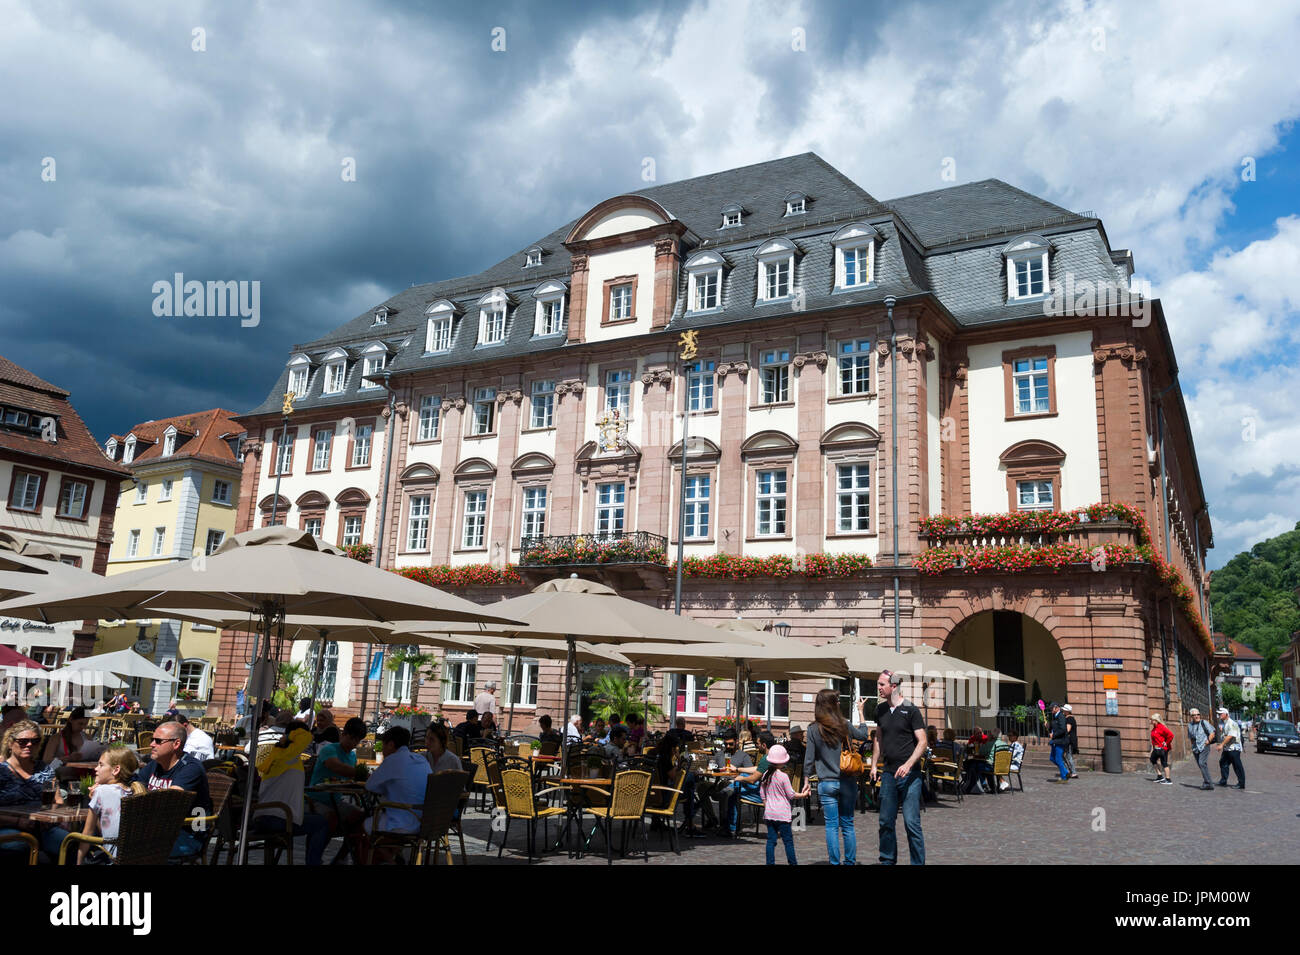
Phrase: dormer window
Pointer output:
(298, 381)
(549, 318)
(533, 257)
(376, 357)
(110, 448)
(492, 317)
(704, 281)
(776, 270)
(796, 204)
(129, 454)
(732, 216)
(1028, 274)
(437, 335)
(855, 255)
(335, 372)
(381, 316)
(169, 443)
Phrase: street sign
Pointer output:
(1109, 663)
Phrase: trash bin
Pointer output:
(1111, 761)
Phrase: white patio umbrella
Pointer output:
(126, 664)
(28, 567)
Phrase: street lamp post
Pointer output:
(687, 351)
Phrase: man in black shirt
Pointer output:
(470, 729)
(172, 768)
(900, 743)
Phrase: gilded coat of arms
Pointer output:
(612, 429)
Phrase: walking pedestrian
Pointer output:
(828, 737)
(1201, 733)
(1060, 740)
(900, 744)
(1230, 749)
(1162, 737)
(1072, 750)
(777, 793)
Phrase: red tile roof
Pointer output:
(1243, 652)
(199, 435)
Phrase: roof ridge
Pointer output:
(721, 172)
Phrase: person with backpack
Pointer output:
(832, 756)
(1201, 734)
(900, 744)
(1162, 738)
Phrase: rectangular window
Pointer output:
(334, 378)
(698, 491)
(133, 544)
(361, 445)
(159, 539)
(374, 365)
(438, 335)
(541, 404)
(417, 523)
(611, 504)
(706, 291)
(190, 677)
(475, 519)
(855, 367)
(312, 526)
(430, 413)
(620, 302)
(699, 385)
(853, 497)
(1029, 383)
(522, 686)
(770, 502)
(774, 376)
(618, 391)
(220, 492)
(550, 317)
(351, 530)
(770, 699)
(166, 493)
(284, 452)
(492, 326)
(169, 445)
(458, 677)
(142, 492)
(215, 539)
(485, 407)
(72, 499)
(320, 457)
(26, 493)
(776, 279)
(298, 382)
(1029, 276)
(856, 266)
(692, 695)
(397, 683)
(534, 514)
(1034, 495)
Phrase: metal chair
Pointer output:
(1002, 768)
(442, 794)
(220, 786)
(942, 771)
(667, 813)
(522, 803)
(627, 801)
(147, 829)
(33, 847)
(478, 756)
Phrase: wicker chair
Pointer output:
(33, 847)
(442, 794)
(147, 830)
(522, 803)
(142, 740)
(667, 813)
(478, 759)
(220, 786)
(1002, 770)
(550, 747)
(942, 771)
(627, 801)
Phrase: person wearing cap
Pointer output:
(400, 778)
(777, 793)
(486, 702)
(795, 745)
(1230, 749)
(1072, 750)
(1201, 735)
(1060, 739)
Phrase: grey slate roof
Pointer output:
(947, 242)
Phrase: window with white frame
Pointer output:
(381, 316)
(473, 533)
(374, 364)
(430, 414)
(298, 381)
(522, 684)
(733, 216)
(215, 539)
(142, 492)
(328, 671)
(159, 539)
(128, 455)
(169, 444)
(165, 494)
(699, 384)
(856, 263)
(458, 677)
(618, 391)
(620, 301)
(284, 452)
(320, 457)
(133, 544)
(855, 255)
(775, 270)
(854, 360)
(532, 258)
(417, 523)
(1034, 496)
(1027, 267)
(774, 376)
(437, 336)
(398, 683)
(704, 281)
(853, 497)
(699, 490)
(72, 499)
(110, 448)
(352, 530)
(776, 279)
(692, 695)
(313, 526)
(485, 408)
(769, 503)
(541, 404)
(611, 509)
(534, 512)
(220, 492)
(796, 204)
(492, 318)
(1029, 274)
(549, 315)
(26, 495)
(362, 438)
(1030, 386)
(769, 700)
(335, 376)
(189, 676)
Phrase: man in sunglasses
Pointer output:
(170, 767)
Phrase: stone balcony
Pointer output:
(630, 560)
(1087, 535)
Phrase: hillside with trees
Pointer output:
(1254, 596)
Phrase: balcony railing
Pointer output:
(1087, 535)
(631, 547)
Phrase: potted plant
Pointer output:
(594, 766)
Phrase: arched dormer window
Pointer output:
(533, 257)
(437, 335)
(775, 270)
(704, 281)
(733, 216)
(796, 204)
(492, 310)
(299, 374)
(1028, 274)
(549, 316)
(336, 371)
(855, 255)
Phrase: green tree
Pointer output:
(423, 664)
(292, 678)
(1253, 596)
(623, 695)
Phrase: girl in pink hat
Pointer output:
(777, 793)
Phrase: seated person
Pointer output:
(616, 748)
(173, 768)
(22, 777)
(197, 743)
(401, 778)
(325, 731)
(598, 733)
(635, 731)
(547, 734)
(732, 791)
(796, 745)
(932, 737)
(113, 782)
(280, 769)
(470, 728)
(71, 744)
(488, 726)
(680, 734)
(337, 762)
(441, 759)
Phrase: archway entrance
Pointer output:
(1015, 645)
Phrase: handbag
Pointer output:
(850, 760)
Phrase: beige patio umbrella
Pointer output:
(269, 573)
(28, 567)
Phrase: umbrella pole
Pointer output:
(569, 661)
(510, 720)
(268, 612)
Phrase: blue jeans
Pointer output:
(734, 792)
(50, 838)
(839, 801)
(908, 790)
(187, 845)
(782, 831)
(1058, 757)
(315, 828)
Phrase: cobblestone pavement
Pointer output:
(1097, 819)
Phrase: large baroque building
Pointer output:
(981, 343)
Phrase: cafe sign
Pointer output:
(25, 626)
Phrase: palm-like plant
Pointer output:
(422, 664)
(623, 695)
(292, 678)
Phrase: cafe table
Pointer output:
(574, 812)
(27, 816)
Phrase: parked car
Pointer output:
(1275, 734)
